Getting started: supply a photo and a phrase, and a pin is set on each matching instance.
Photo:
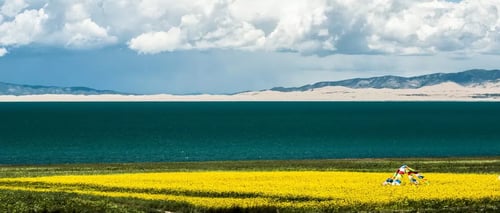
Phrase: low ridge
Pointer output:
(465, 78)
(18, 89)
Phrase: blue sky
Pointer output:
(222, 46)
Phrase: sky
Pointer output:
(228, 46)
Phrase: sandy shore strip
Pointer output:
(441, 92)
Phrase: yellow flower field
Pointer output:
(303, 189)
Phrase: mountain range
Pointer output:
(18, 89)
(465, 78)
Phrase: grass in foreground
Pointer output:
(291, 186)
(452, 165)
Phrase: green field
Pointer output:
(26, 201)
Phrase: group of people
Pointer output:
(413, 175)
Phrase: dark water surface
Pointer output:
(42, 133)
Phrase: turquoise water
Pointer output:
(45, 133)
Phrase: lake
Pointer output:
(91, 132)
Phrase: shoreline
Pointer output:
(442, 92)
(216, 98)
(450, 158)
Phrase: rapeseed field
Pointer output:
(299, 190)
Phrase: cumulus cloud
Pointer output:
(11, 8)
(25, 28)
(313, 27)
(3, 51)
(321, 27)
(201, 25)
(77, 27)
(86, 34)
(437, 26)
(56, 23)
(155, 42)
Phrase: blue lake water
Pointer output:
(48, 133)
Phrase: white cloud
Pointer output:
(322, 27)
(203, 26)
(155, 42)
(73, 25)
(24, 29)
(3, 51)
(436, 26)
(76, 12)
(11, 8)
(86, 34)
(314, 27)
(299, 26)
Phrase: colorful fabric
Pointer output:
(398, 175)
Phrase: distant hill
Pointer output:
(466, 78)
(18, 89)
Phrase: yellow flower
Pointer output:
(304, 189)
